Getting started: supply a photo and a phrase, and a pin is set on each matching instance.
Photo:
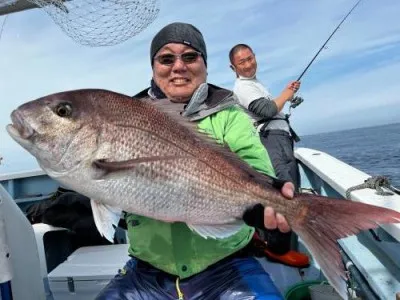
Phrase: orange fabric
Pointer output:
(290, 258)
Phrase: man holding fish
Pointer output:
(184, 196)
(206, 268)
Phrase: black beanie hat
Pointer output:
(179, 33)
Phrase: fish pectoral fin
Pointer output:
(113, 166)
(220, 231)
(105, 218)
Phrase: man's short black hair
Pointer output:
(235, 49)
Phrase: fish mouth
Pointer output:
(19, 127)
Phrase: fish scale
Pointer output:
(201, 181)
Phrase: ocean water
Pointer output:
(373, 150)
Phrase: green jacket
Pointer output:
(173, 247)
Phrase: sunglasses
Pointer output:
(169, 59)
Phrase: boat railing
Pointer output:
(28, 186)
(375, 253)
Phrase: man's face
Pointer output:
(245, 63)
(178, 76)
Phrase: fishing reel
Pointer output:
(296, 101)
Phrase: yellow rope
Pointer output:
(178, 290)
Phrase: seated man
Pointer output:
(169, 261)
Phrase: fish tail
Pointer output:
(321, 221)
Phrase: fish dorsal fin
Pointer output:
(174, 112)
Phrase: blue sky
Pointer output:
(353, 83)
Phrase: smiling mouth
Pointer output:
(180, 81)
(19, 126)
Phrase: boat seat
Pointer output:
(44, 235)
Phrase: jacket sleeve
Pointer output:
(242, 138)
(264, 108)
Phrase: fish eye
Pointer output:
(64, 110)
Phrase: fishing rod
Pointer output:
(298, 100)
(2, 26)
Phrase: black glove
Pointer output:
(254, 216)
(277, 242)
